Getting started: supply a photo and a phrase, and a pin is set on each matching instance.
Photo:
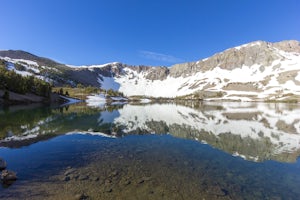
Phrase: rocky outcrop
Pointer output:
(259, 52)
(184, 69)
(288, 46)
(157, 73)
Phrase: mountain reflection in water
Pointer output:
(253, 131)
(152, 151)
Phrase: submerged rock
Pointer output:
(114, 173)
(2, 164)
(69, 171)
(7, 176)
(127, 182)
(81, 197)
(95, 178)
(108, 190)
(66, 178)
(143, 179)
(83, 177)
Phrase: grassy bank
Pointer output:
(79, 93)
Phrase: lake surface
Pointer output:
(152, 151)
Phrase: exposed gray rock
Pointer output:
(259, 52)
(114, 173)
(144, 179)
(73, 176)
(158, 73)
(108, 190)
(69, 171)
(184, 69)
(95, 178)
(288, 46)
(127, 182)
(83, 177)
(107, 182)
(81, 197)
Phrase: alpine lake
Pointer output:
(195, 150)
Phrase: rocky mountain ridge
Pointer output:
(256, 71)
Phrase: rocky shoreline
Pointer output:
(25, 99)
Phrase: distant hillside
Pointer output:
(27, 64)
(19, 54)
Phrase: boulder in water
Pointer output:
(7, 176)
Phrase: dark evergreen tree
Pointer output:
(61, 91)
(11, 81)
(6, 95)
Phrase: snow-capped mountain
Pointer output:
(256, 71)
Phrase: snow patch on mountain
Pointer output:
(92, 66)
(137, 84)
(248, 45)
(263, 81)
(30, 67)
(298, 76)
(22, 61)
(108, 83)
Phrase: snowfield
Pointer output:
(263, 82)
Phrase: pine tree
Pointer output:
(61, 91)
(6, 95)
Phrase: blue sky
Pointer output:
(154, 32)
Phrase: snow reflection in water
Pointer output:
(158, 166)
